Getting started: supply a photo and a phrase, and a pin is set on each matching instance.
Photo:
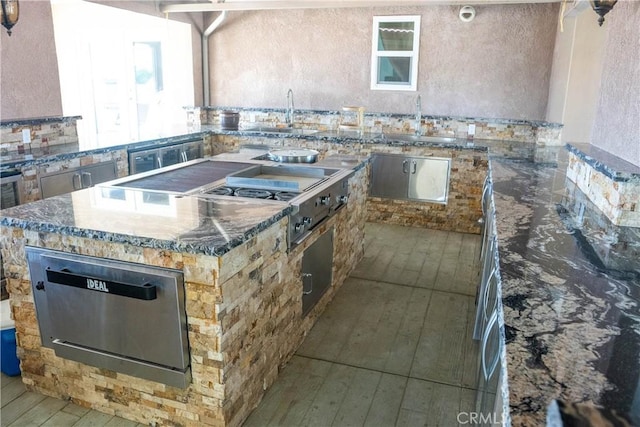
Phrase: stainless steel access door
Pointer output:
(429, 179)
(125, 317)
(389, 176)
(317, 270)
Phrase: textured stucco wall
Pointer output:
(575, 76)
(496, 66)
(617, 125)
(29, 83)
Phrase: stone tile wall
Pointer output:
(618, 200)
(376, 123)
(43, 135)
(243, 314)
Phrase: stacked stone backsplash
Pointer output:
(535, 132)
(44, 132)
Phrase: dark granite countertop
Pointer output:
(614, 167)
(570, 293)
(210, 226)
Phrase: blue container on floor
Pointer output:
(9, 363)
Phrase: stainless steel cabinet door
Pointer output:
(429, 179)
(95, 174)
(317, 270)
(389, 176)
(171, 156)
(143, 161)
(191, 151)
(58, 183)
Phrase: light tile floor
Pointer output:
(393, 348)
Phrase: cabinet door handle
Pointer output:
(307, 278)
(159, 161)
(483, 350)
(88, 182)
(414, 167)
(404, 166)
(76, 181)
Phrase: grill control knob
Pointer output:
(307, 220)
(298, 227)
(40, 285)
(325, 200)
(342, 199)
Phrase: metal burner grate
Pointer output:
(253, 193)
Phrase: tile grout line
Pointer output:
(408, 377)
(410, 286)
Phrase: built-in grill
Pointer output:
(314, 192)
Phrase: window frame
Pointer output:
(414, 54)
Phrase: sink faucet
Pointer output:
(418, 115)
(289, 114)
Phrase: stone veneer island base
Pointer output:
(244, 317)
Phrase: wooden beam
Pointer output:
(214, 5)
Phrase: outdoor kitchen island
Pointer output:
(243, 292)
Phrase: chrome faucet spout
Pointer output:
(418, 115)
(289, 113)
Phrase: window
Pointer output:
(127, 74)
(394, 53)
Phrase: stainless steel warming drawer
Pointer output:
(125, 317)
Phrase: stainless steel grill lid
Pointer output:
(293, 155)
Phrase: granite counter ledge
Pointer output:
(40, 155)
(191, 224)
(571, 325)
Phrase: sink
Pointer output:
(415, 138)
(271, 129)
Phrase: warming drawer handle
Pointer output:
(146, 292)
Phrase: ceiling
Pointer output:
(168, 6)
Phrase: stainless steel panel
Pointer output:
(317, 270)
(489, 372)
(98, 173)
(389, 176)
(95, 324)
(313, 208)
(143, 161)
(488, 272)
(62, 182)
(192, 151)
(171, 155)
(12, 189)
(429, 179)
